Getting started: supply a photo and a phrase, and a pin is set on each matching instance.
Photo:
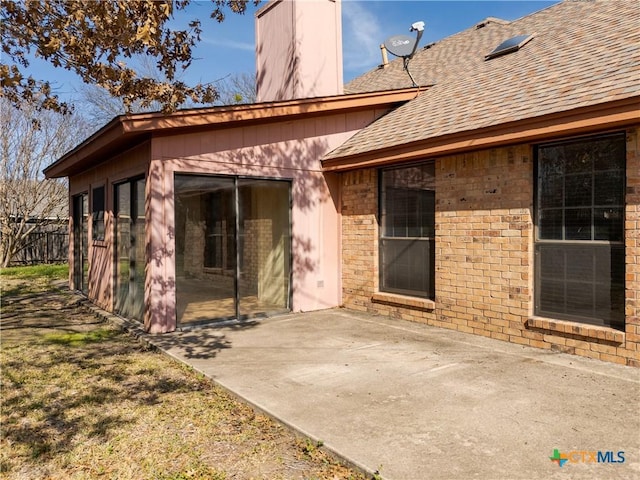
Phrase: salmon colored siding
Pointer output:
(128, 164)
(287, 150)
(295, 58)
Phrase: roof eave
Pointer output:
(131, 127)
(104, 136)
(266, 112)
(584, 120)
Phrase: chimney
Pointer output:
(298, 49)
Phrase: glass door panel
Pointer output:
(264, 247)
(205, 229)
(130, 249)
(81, 242)
(136, 279)
(123, 245)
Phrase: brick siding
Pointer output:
(484, 255)
(360, 239)
(632, 250)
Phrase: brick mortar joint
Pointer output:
(586, 332)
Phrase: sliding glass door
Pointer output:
(232, 247)
(264, 246)
(129, 248)
(205, 248)
(81, 242)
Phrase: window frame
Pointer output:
(569, 247)
(219, 256)
(98, 229)
(384, 238)
(80, 205)
(136, 211)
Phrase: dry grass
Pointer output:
(80, 399)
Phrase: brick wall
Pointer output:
(484, 255)
(632, 249)
(359, 239)
(483, 232)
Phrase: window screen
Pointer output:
(580, 230)
(407, 233)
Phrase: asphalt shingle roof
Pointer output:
(583, 53)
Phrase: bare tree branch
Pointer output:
(239, 88)
(30, 140)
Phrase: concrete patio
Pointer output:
(417, 402)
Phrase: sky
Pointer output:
(227, 48)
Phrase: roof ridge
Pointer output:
(500, 21)
(572, 63)
(488, 20)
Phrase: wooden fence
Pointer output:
(43, 247)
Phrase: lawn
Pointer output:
(82, 399)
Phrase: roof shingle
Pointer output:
(583, 53)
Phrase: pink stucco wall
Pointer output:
(284, 150)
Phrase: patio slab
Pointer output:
(418, 402)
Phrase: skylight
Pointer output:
(509, 46)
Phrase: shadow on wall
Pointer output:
(290, 81)
(158, 254)
(285, 157)
(101, 276)
(291, 85)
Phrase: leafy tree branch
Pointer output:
(96, 40)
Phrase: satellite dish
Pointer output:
(405, 46)
(400, 45)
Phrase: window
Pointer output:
(220, 229)
(407, 230)
(97, 213)
(580, 230)
(233, 247)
